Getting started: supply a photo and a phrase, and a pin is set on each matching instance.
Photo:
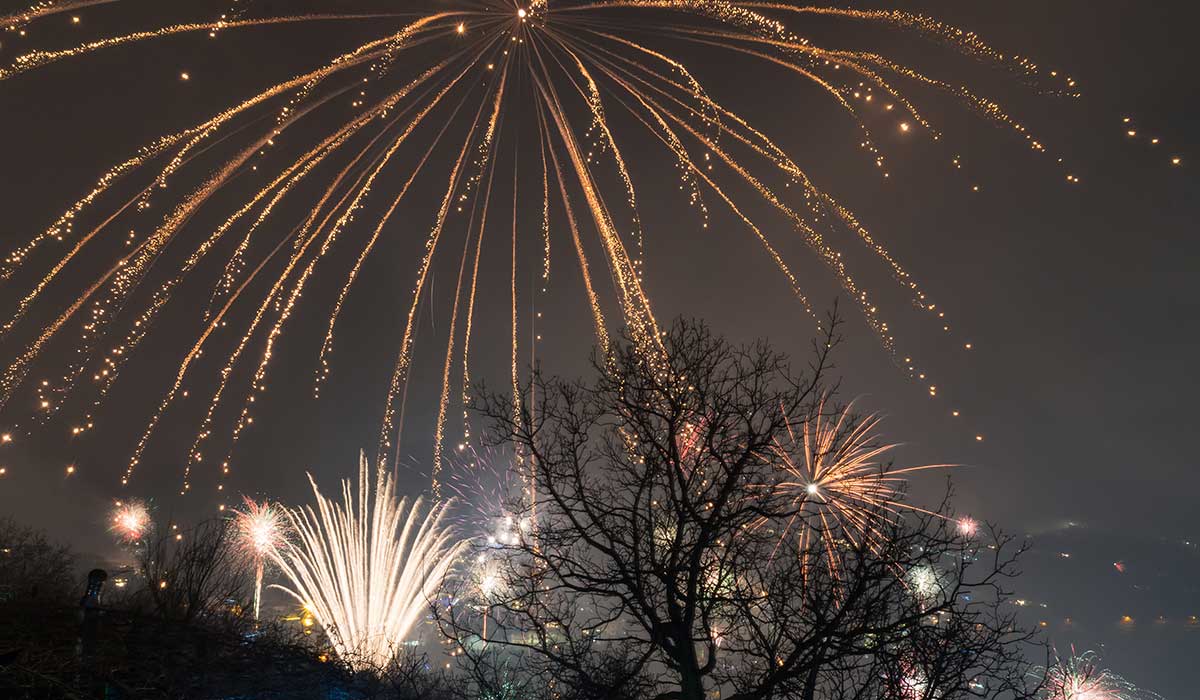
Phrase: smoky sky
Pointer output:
(1078, 300)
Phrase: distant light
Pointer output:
(903, 126)
(75, 20)
(978, 438)
(70, 469)
(521, 13)
(184, 76)
(1176, 160)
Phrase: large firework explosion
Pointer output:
(367, 566)
(531, 110)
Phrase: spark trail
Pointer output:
(452, 100)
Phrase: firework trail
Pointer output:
(593, 86)
(262, 528)
(366, 566)
(45, 9)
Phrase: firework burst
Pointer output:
(366, 566)
(525, 101)
(1081, 677)
(838, 485)
(130, 520)
(262, 528)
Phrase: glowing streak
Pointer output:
(47, 8)
(400, 370)
(669, 138)
(327, 346)
(342, 222)
(634, 303)
(353, 58)
(205, 430)
(486, 159)
(39, 59)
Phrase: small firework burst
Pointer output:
(924, 582)
(968, 526)
(261, 529)
(130, 520)
(835, 479)
(493, 495)
(1081, 677)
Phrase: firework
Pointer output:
(488, 583)
(494, 495)
(925, 583)
(367, 566)
(838, 486)
(130, 520)
(521, 98)
(261, 530)
(1080, 677)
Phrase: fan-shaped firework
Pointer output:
(1080, 677)
(521, 98)
(261, 529)
(368, 566)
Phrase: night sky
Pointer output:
(1078, 300)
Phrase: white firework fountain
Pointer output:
(367, 567)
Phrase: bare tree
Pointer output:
(658, 554)
(31, 566)
(194, 572)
